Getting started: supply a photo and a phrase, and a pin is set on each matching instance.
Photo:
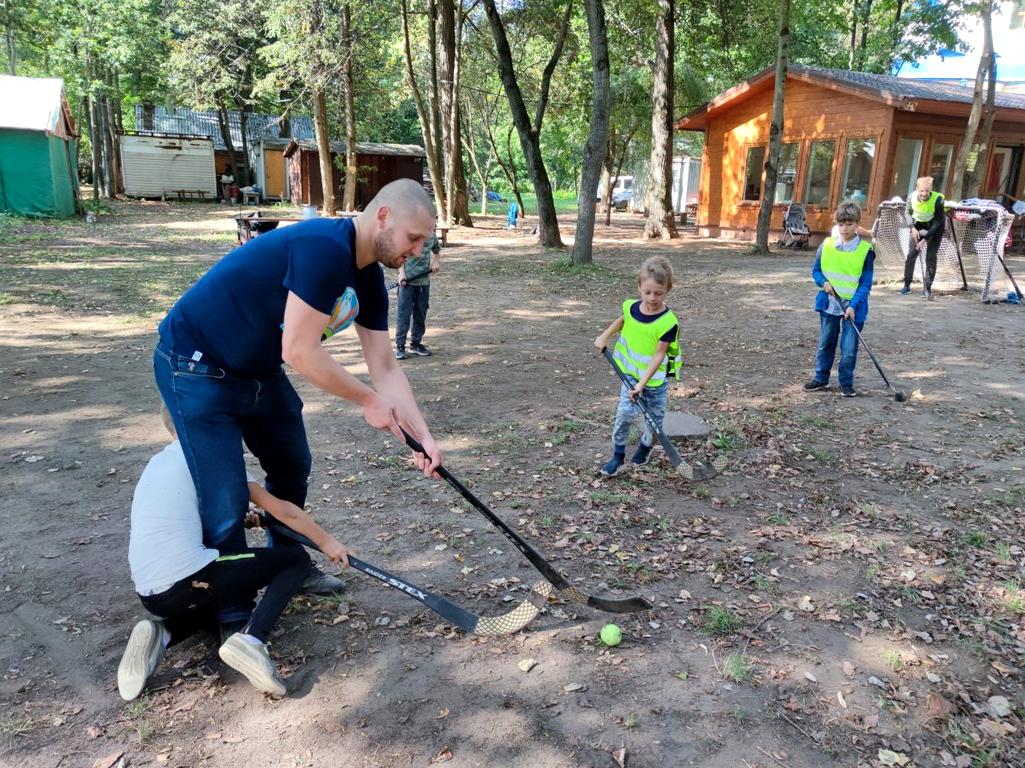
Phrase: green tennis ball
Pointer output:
(611, 635)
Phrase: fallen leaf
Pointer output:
(109, 761)
(444, 755)
(806, 604)
(574, 687)
(998, 706)
(889, 757)
(938, 707)
(841, 699)
(810, 676)
(619, 755)
(526, 665)
(442, 712)
(848, 669)
(996, 729)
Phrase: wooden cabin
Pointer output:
(378, 164)
(846, 135)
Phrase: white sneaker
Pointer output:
(142, 654)
(253, 661)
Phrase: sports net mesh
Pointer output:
(973, 239)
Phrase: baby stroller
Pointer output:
(795, 230)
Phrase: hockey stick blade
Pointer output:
(470, 623)
(690, 472)
(609, 605)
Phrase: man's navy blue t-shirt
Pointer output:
(233, 316)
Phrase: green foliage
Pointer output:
(720, 621)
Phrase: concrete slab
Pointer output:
(685, 425)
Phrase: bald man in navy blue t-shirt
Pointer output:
(218, 363)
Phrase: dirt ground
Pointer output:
(850, 591)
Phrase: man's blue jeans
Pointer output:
(830, 330)
(413, 303)
(214, 412)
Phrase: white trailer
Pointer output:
(168, 165)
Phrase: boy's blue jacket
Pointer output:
(860, 299)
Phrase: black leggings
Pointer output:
(192, 603)
(932, 246)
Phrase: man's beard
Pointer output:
(384, 250)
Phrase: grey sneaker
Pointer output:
(319, 583)
(848, 392)
(142, 654)
(252, 660)
(420, 349)
(400, 354)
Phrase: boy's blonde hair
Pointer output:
(656, 268)
(924, 181)
(848, 210)
(165, 416)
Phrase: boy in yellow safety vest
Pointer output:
(925, 208)
(648, 352)
(843, 270)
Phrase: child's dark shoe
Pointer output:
(642, 454)
(614, 465)
(814, 385)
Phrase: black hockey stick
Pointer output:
(393, 286)
(626, 605)
(1014, 282)
(506, 624)
(697, 472)
(898, 394)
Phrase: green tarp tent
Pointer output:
(38, 148)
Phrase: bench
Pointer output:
(250, 198)
(184, 194)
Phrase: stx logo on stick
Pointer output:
(396, 583)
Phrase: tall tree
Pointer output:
(660, 222)
(989, 110)
(775, 132)
(450, 42)
(348, 89)
(530, 132)
(968, 140)
(425, 112)
(598, 137)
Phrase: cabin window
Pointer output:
(909, 155)
(857, 170)
(820, 173)
(786, 179)
(753, 173)
(939, 165)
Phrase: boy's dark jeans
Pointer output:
(413, 303)
(829, 331)
(192, 603)
(214, 412)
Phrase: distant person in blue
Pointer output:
(218, 363)
(513, 214)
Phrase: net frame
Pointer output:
(971, 249)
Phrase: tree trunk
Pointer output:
(434, 102)
(225, 128)
(108, 146)
(852, 52)
(511, 174)
(988, 112)
(530, 135)
(9, 34)
(598, 136)
(327, 180)
(775, 132)
(449, 39)
(243, 127)
(348, 83)
(957, 184)
(112, 130)
(661, 221)
(425, 116)
(483, 172)
(95, 135)
(866, 14)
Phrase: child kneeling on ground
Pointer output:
(843, 270)
(648, 353)
(184, 583)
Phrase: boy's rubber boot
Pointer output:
(642, 454)
(615, 464)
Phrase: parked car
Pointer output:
(621, 200)
(623, 184)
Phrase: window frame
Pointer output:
(744, 199)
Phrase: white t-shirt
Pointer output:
(166, 540)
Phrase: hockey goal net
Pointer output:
(970, 253)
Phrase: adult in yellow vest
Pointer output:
(925, 209)
(843, 270)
